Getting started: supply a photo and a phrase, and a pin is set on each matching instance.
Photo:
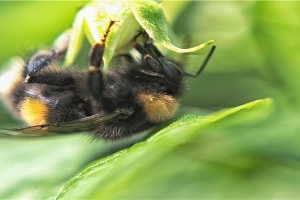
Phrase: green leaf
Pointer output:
(92, 21)
(135, 172)
(151, 17)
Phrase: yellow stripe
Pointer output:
(33, 112)
(158, 107)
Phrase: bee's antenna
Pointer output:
(97, 50)
(203, 64)
(95, 74)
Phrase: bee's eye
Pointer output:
(173, 73)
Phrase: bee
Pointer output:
(134, 95)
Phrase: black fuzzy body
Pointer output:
(69, 99)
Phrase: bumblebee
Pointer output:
(135, 93)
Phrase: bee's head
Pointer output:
(173, 74)
(158, 74)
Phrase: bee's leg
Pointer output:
(137, 46)
(44, 58)
(155, 66)
(95, 74)
(148, 47)
(58, 79)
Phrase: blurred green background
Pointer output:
(243, 156)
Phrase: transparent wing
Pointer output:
(85, 124)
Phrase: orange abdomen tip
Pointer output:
(33, 111)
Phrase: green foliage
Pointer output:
(94, 18)
(250, 150)
(159, 167)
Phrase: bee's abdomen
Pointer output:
(45, 105)
(33, 111)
